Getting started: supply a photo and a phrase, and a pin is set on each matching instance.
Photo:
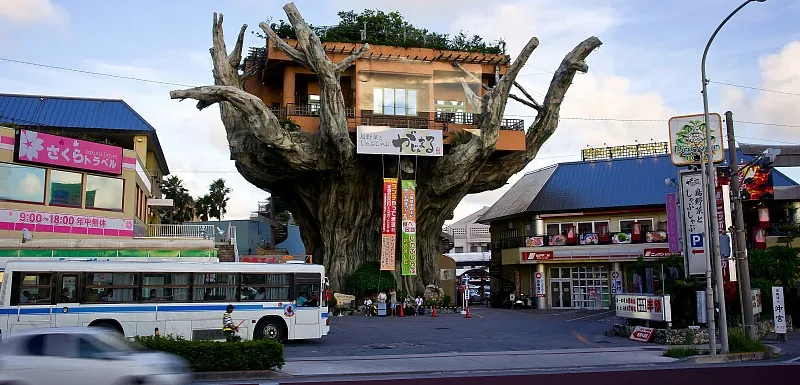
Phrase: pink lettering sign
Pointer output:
(47, 222)
(54, 150)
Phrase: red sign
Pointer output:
(659, 252)
(53, 150)
(389, 232)
(536, 255)
(642, 334)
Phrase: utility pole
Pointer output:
(740, 241)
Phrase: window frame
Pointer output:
(143, 287)
(561, 229)
(86, 191)
(266, 286)
(632, 220)
(50, 188)
(378, 96)
(18, 287)
(594, 224)
(44, 184)
(237, 286)
(88, 285)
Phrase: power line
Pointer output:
(755, 88)
(94, 73)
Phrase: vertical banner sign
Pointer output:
(694, 222)
(672, 223)
(409, 248)
(540, 290)
(616, 282)
(779, 309)
(389, 231)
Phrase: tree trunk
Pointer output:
(335, 193)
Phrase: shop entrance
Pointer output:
(560, 288)
(590, 287)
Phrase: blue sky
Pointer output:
(648, 67)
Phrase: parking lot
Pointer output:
(489, 330)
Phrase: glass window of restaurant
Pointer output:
(22, 183)
(626, 225)
(591, 227)
(558, 228)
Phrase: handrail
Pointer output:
(181, 231)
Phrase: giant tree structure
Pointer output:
(334, 193)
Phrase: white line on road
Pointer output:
(792, 360)
(590, 316)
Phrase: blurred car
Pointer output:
(86, 356)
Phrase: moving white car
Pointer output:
(86, 356)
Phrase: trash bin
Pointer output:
(381, 309)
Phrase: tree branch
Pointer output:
(525, 102)
(474, 100)
(470, 75)
(527, 95)
(293, 54)
(495, 173)
(235, 57)
(309, 42)
(348, 61)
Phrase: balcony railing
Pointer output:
(293, 109)
(181, 231)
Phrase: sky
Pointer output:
(647, 70)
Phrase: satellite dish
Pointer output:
(26, 235)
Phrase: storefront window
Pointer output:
(65, 188)
(591, 227)
(626, 226)
(104, 192)
(21, 183)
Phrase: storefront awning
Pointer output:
(613, 252)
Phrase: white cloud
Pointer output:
(28, 12)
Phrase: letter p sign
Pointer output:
(696, 240)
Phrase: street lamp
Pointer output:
(709, 173)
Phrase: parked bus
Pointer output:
(274, 301)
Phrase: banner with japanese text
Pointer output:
(409, 246)
(389, 220)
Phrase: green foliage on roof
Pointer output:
(391, 29)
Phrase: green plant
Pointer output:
(370, 278)
(213, 356)
(739, 342)
(445, 301)
(289, 124)
(681, 352)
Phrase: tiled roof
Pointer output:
(595, 185)
(77, 113)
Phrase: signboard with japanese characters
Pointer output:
(616, 282)
(694, 221)
(779, 309)
(528, 256)
(53, 150)
(45, 222)
(644, 307)
(687, 139)
(673, 236)
(758, 306)
(540, 287)
(389, 219)
(409, 238)
(642, 334)
(399, 141)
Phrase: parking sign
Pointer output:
(696, 240)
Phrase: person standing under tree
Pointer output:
(393, 300)
(228, 328)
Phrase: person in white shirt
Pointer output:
(419, 304)
(393, 300)
(368, 307)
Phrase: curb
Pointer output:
(244, 375)
(772, 351)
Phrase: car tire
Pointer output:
(271, 329)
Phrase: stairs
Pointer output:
(226, 253)
(507, 285)
(267, 212)
(446, 242)
(279, 234)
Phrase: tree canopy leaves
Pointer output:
(182, 209)
(391, 28)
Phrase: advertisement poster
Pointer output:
(694, 221)
(540, 290)
(409, 246)
(687, 139)
(616, 282)
(45, 222)
(779, 309)
(672, 223)
(398, 141)
(389, 220)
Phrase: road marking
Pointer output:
(590, 315)
(792, 360)
(580, 338)
(479, 316)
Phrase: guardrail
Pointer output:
(181, 231)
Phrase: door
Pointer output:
(560, 288)
(308, 310)
(65, 314)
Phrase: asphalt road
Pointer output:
(489, 330)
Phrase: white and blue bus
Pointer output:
(275, 301)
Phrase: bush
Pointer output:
(445, 301)
(681, 352)
(738, 342)
(214, 356)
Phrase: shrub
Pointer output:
(681, 352)
(213, 356)
(739, 342)
(445, 301)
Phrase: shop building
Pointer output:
(80, 178)
(564, 234)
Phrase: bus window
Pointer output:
(109, 287)
(265, 287)
(69, 288)
(33, 289)
(173, 287)
(214, 287)
(308, 290)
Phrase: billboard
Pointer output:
(398, 141)
(687, 139)
(53, 150)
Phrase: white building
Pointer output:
(468, 236)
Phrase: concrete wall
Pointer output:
(293, 243)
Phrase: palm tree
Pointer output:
(182, 203)
(202, 207)
(218, 193)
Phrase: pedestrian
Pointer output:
(393, 300)
(228, 328)
(419, 305)
(368, 307)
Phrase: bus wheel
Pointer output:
(271, 328)
(113, 326)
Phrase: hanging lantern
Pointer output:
(763, 217)
(760, 239)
